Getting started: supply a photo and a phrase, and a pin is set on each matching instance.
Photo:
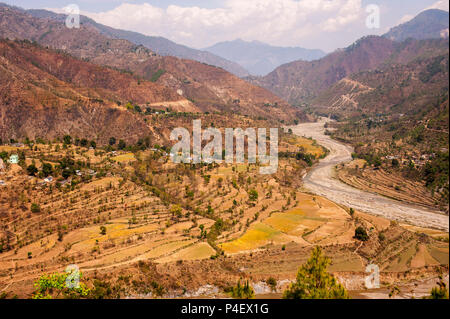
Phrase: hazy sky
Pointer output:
(323, 24)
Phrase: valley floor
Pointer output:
(321, 181)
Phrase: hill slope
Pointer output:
(302, 81)
(409, 89)
(47, 94)
(191, 79)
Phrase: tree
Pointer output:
(32, 170)
(395, 162)
(35, 208)
(352, 212)
(93, 144)
(47, 169)
(112, 141)
(66, 173)
(361, 234)
(272, 283)
(121, 145)
(252, 195)
(55, 285)
(84, 142)
(314, 281)
(242, 292)
(67, 139)
(102, 230)
(440, 291)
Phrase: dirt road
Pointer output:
(320, 180)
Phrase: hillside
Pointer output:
(160, 45)
(301, 81)
(397, 120)
(429, 24)
(46, 94)
(188, 78)
(394, 89)
(261, 58)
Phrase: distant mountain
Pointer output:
(429, 24)
(301, 81)
(260, 58)
(160, 45)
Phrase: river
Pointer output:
(321, 181)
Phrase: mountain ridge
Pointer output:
(158, 44)
(261, 58)
(429, 24)
(226, 93)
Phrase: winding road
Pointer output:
(320, 180)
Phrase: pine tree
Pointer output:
(314, 281)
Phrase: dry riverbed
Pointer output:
(321, 181)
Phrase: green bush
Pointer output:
(361, 234)
(35, 208)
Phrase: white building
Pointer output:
(14, 159)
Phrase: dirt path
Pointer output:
(320, 180)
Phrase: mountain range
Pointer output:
(160, 45)
(209, 88)
(260, 58)
(339, 82)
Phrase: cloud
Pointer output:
(442, 4)
(279, 22)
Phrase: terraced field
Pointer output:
(320, 180)
(386, 184)
(314, 220)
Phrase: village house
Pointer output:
(14, 159)
(48, 179)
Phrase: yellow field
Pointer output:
(194, 252)
(308, 145)
(129, 157)
(166, 249)
(295, 222)
(7, 148)
(314, 221)
(258, 235)
(86, 238)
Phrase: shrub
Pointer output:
(35, 208)
(361, 234)
(47, 169)
(440, 291)
(272, 283)
(252, 195)
(32, 170)
(121, 145)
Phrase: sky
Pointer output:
(314, 24)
